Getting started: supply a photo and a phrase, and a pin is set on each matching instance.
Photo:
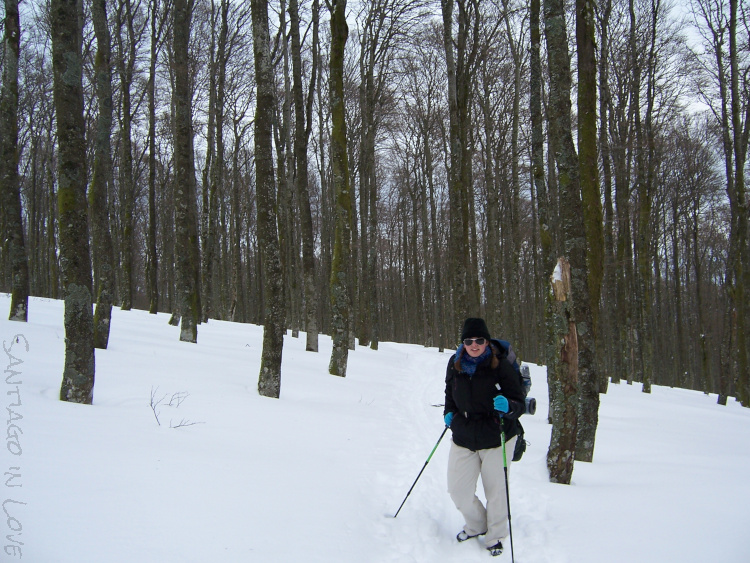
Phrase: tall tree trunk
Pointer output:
(608, 335)
(217, 168)
(340, 294)
(494, 313)
(269, 381)
(705, 366)
(459, 65)
(52, 245)
(100, 231)
(740, 209)
(10, 190)
(208, 193)
(284, 163)
(127, 58)
(578, 315)
(586, 302)
(75, 258)
(440, 320)
(547, 258)
(514, 209)
(157, 24)
(545, 211)
(645, 140)
(187, 256)
(238, 307)
(303, 127)
(366, 167)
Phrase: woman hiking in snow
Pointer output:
(483, 397)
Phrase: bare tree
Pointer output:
(10, 194)
(187, 257)
(340, 292)
(158, 19)
(130, 28)
(587, 301)
(101, 236)
(725, 90)
(75, 259)
(461, 63)
(576, 316)
(269, 382)
(303, 126)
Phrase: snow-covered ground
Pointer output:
(316, 476)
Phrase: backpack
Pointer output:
(525, 379)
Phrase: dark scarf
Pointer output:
(469, 364)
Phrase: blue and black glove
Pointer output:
(449, 418)
(501, 404)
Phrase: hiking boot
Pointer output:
(496, 549)
(463, 536)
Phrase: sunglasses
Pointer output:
(480, 341)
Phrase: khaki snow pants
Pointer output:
(464, 468)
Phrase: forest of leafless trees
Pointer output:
(481, 139)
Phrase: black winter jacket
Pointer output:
(476, 424)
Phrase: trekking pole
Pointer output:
(420, 473)
(507, 489)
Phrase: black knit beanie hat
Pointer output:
(474, 327)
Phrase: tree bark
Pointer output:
(157, 26)
(459, 67)
(126, 65)
(740, 208)
(269, 381)
(564, 393)
(10, 189)
(586, 301)
(75, 258)
(571, 213)
(187, 256)
(608, 354)
(101, 236)
(339, 282)
(303, 127)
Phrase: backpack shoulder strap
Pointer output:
(507, 350)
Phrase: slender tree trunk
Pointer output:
(10, 190)
(578, 314)
(742, 259)
(187, 256)
(458, 65)
(608, 354)
(645, 199)
(705, 366)
(511, 273)
(51, 251)
(269, 381)
(126, 65)
(217, 169)
(547, 258)
(340, 294)
(303, 122)
(101, 236)
(152, 254)
(209, 212)
(75, 258)
(238, 308)
(437, 266)
(586, 302)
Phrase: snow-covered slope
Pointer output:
(228, 476)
